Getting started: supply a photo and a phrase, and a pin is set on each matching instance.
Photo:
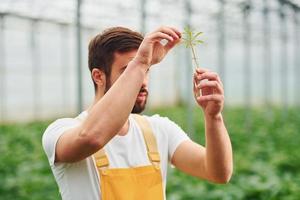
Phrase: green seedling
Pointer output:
(191, 40)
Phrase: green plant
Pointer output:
(191, 40)
(266, 158)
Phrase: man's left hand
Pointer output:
(211, 97)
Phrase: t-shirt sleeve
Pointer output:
(175, 135)
(52, 134)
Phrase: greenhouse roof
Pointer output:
(95, 11)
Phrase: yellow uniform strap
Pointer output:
(101, 159)
(148, 137)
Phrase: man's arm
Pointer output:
(110, 113)
(214, 161)
(105, 119)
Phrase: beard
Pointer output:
(139, 106)
(107, 85)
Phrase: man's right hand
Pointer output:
(152, 51)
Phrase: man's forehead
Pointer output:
(127, 53)
(121, 59)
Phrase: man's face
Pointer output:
(119, 65)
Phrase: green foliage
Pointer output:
(24, 170)
(266, 160)
(191, 40)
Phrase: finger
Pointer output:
(211, 84)
(176, 31)
(209, 76)
(158, 36)
(171, 44)
(196, 91)
(201, 70)
(195, 80)
(195, 86)
(216, 98)
(170, 31)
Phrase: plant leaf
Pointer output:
(197, 35)
(199, 41)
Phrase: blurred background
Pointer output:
(252, 44)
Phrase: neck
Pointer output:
(97, 97)
(123, 131)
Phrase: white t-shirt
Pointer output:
(79, 180)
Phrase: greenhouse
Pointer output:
(253, 45)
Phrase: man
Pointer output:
(107, 152)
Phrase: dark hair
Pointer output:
(104, 45)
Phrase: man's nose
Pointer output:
(145, 83)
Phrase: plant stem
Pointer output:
(194, 56)
(199, 93)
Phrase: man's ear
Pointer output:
(98, 77)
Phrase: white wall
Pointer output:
(40, 83)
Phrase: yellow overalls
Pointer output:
(137, 183)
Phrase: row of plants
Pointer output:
(266, 159)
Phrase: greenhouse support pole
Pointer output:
(283, 59)
(190, 100)
(221, 42)
(247, 35)
(79, 58)
(36, 70)
(143, 16)
(267, 55)
(297, 56)
(2, 71)
(64, 52)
